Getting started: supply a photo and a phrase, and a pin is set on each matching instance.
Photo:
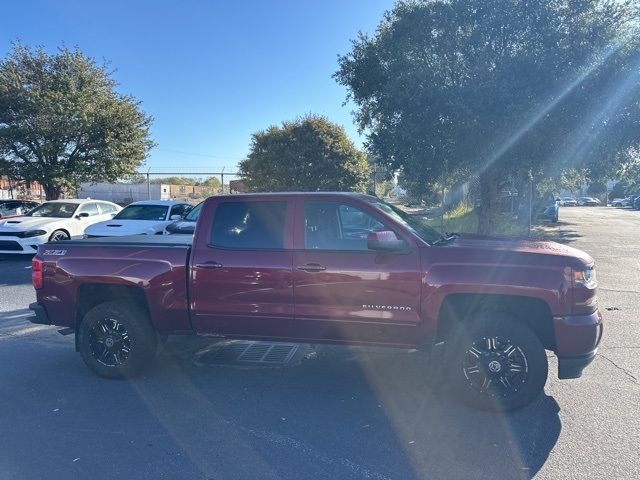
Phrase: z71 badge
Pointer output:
(55, 252)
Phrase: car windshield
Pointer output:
(54, 209)
(194, 213)
(416, 223)
(143, 212)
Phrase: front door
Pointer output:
(241, 277)
(344, 290)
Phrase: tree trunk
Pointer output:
(488, 202)
(52, 191)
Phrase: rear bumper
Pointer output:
(577, 340)
(39, 314)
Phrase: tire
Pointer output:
(496, 362)
(58, 236)
(116, 339)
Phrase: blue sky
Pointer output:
(210, 72)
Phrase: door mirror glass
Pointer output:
(385, 241)
(82, 215)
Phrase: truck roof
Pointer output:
(301, 194)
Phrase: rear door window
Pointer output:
(249, 225)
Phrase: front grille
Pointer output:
(10, 246)
(9, 234)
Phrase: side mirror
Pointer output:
(113, 214)
(175, 217)
(385, 241)
(82, 215)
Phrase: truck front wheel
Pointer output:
(116, 339)
(496, 362)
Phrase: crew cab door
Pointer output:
(241, 274)
(343, 289)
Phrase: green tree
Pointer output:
(63, 122)
(307, 154)
(496, 88)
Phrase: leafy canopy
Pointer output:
(307, 154)
(493, 87)
(63, 122)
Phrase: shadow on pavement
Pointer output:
(344, 413)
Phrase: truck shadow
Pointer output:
(336, 412)
(373, 408)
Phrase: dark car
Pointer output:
(187, 225)
(588, 202)
(330, 268)
(12, 208)
(550, 212)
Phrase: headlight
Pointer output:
(586, 278)
(32, 233)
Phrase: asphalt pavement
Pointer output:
(334, 413)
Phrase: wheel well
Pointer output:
(534, 312)
(94, 294)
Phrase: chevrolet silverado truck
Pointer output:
(329, 268)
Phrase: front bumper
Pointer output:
(40, 315)
(577, 340)
(23, 246)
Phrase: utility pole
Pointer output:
(374, 181)
(222, 180)
(442, 205)
(148, 185)
(530, 206)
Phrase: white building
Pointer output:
(125, 193)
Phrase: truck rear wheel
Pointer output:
(496, 362)
(116, 339)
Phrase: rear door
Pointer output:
(344, 290)
(241, 273)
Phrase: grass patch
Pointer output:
(463, 219)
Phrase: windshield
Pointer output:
(56, 210)
(143, 212)
(416, 223)
(194, 213)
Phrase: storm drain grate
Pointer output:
(250, 352)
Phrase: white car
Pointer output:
(52, 221)
(149, 217)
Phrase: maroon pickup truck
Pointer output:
(333, 268)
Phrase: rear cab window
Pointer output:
(250, 225)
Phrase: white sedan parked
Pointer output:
(52, 221)
(149, 217)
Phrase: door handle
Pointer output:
(209, 265)
(311, 267)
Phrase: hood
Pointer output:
(521, 250)
(119, 228)
(20, 224)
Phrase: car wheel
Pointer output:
(116, 339)
(58, 236)
(496, 362)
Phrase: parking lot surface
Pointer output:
(338, 413)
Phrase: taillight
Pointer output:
(36, 273)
